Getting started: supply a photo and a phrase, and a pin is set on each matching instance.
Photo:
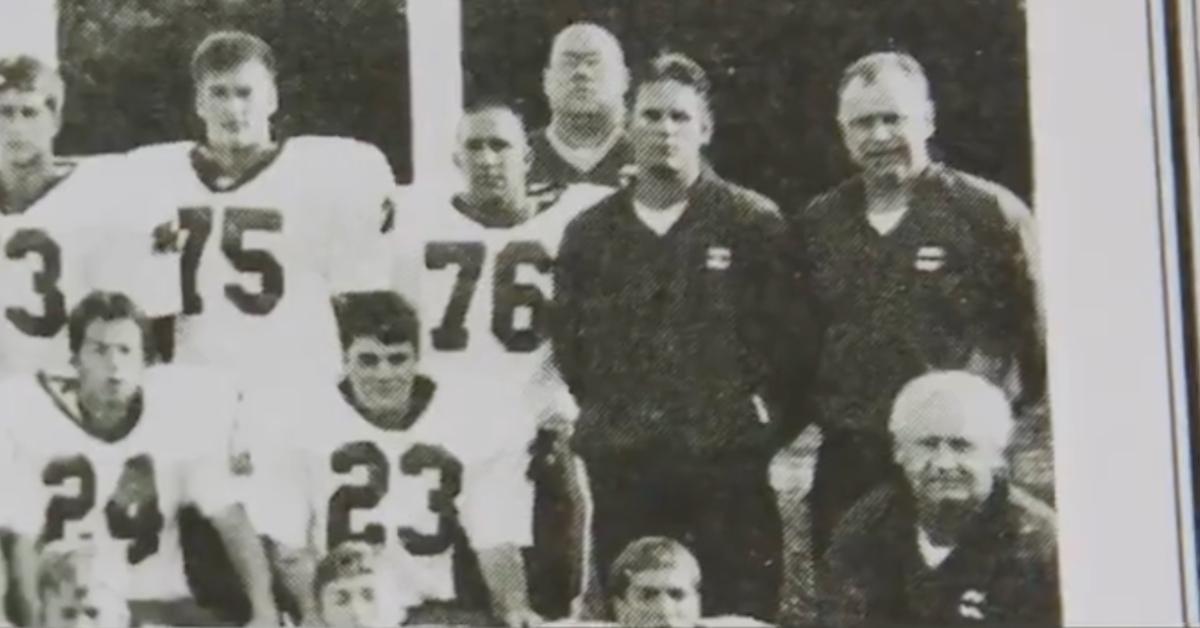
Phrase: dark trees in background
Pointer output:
(775, 64)
(343, 69)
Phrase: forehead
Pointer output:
(576, 42)
(35, 96)
(123, 331)
(667, 94)
(665, 578)
(943, 422)
(251, 72)
(355, 582)
(488, 124)
(370, 344)
(891, 92)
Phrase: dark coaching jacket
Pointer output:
(953, 286)
(1003, 571)
(666, 340)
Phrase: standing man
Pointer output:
(484, 259)
(911, 266)
(585, 83)
(953, 543)
(671, 298)
(269, 228)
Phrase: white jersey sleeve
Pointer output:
(208, 479)
(124, 256)
(362, 210)
(497, 502)
(277, 490)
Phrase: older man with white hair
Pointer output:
(954, 542)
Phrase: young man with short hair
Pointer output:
(390, 458)
(677, 336)
(354, 585)
(65, 227)
(268, 228)
(115, 451)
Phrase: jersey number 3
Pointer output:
(26, 242)
(131, 513)
(452, 334)
(363, 496)
(198, 222)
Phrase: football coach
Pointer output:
(674, 331)
(912, 266)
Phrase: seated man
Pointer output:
(353, 586)
(655, 581)
(81, 584)
(955, 542)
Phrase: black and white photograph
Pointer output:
(529, 313)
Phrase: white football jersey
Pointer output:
(322, 474)
(65, 481)
(81, 235)
(484, 294)
(261, 257)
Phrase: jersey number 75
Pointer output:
(198, 222)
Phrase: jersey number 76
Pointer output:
(508, 295)
(198, 222)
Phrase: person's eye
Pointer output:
(342, 598)
(368, 595)
(368, 360)
(70, 613)
(398, 360)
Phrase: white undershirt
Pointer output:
(658, 220)
(885, 222)
(582, 158)
(934, 555)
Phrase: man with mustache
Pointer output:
(954, 542)
(585, 82)
(909, 266)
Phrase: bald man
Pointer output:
(585, 82)
(953, 542)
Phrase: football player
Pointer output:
(114, 451)
(65, 228)
(81, 584)
(485, 287)
(356, 586)
(268, 228)
(390, 458)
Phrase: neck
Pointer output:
(23, 182)
(660, 188)
(579, 130)
(237, 159)
(394, 414)
(512, 209)
(105, 414)
(945, 521)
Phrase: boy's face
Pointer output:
(659, 597)
(364, 600)
(75, 606)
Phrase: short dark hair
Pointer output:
(107, 307)
(678, 68)
(29, 74)
(493, 103)
(381, 314)
(648, 554)
(224, 50)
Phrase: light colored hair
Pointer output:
(964, 394)
(650, 553)
(24, 73)
(870, 68)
